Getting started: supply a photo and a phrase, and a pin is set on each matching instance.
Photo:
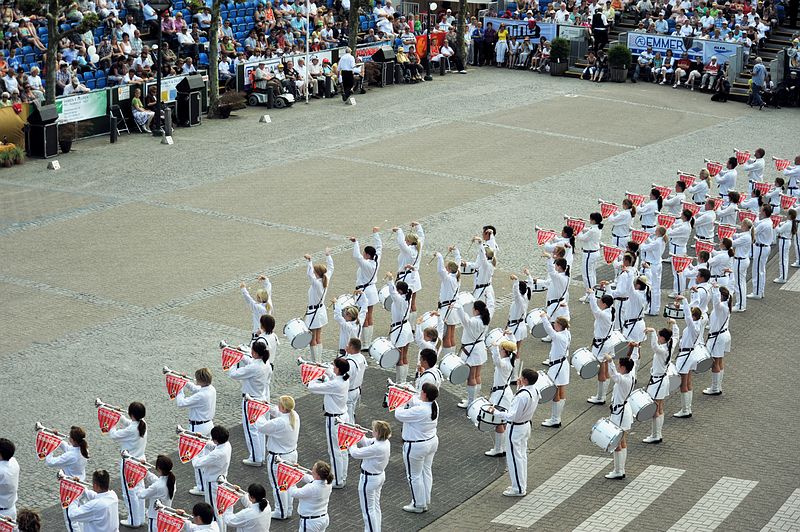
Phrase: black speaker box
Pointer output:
(45, 114)
(384, 53)
(191, 83)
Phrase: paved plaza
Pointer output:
(129, 258)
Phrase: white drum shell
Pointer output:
(534, 322)
(700, 359)
(383, 351)
(675, 313)
(674, 378)
(488, 421)
(384, 298)
(585, 363)
(344, 301)
(496, 336)
(465, 300)
(428, 321)
(454, 369)
(642, 405)
(296, 331)
(605, 434)
(546, 387)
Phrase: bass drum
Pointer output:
(546, 387)
(465, 300)
(605, 434)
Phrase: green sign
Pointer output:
(82, 106)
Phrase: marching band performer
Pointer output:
(624, 284)
(214, 460)
(316, 315)
(691, 272)
(632, 252)
(428, 338)
(651, 252)
(427, 372)
(9, 479)
(504, 357)
(100, 511)
(674, 203)
(374, 455)
(700, 291)
(131, 435)
(699, 189)
(314, 497)
(559, 366)
(202, 405)
(488, 240)
(719, 337)
(400, 333)
(658, 385)
(678, 236)
(368, 262)
(742, 245)
(704, 222)
(621, 223)
(283, 430)
(727, 212)
(521, 295)
(420, 418)
(624, 381)
(762, 242)
(350, 320)
(726, 179)
(161, 488)
(450, 284)
(266, 334)
(358, 367)
(692, 335)
(256, 514)
(792, 174)
(603, 311)
(589, 239)
(649, 210)
(334, 387)
(721, 262)
(202, 518)
(72, 461)
(473, 347)
(557, 290)
(408, 261)
(565, 241)
(773, 195)
(262, 304)
(518, 417)
(753, 203)
(784, 238)
(255, 375)
(483, 268)
(755, 168)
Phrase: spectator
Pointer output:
(683, 68)
(141, 116)
(136, 43)
(187, 44)
(5, 100)
(129, 27)
(667, 67)
(709, 73)
(758, 81)
(414, 66)
(75, 87)
(643, 63)
(10, 82)
(662, 28)
(224, 69)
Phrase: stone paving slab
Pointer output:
(19, 206)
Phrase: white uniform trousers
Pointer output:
(589, 265)
(760, 256)
(418, 459)
(369, 494)
(677, 279)
(282, 506)
(339, 459)
(653, 274)
(740, 266)
(784, 243)
(210, 494)
(313, 524)
(517, 455)
(255, 441)
(71, 527)
(796, 241)
(133, 503)
(205, 430)
(353, 397)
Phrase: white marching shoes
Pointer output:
(716, 384)
(600, 398)
(655, 437)
(686, 406)
(499, 446)
(413, 509)
(555, 415)
(619, 465)
(511, 492)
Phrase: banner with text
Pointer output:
(82, 106)
(639, 42)
(364, 51)
(272, 63)
(519, 29)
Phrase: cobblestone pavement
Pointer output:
(130, 258)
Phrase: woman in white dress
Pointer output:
(719, 335)
(351, 321)
(505, 359)
(450, 279)
(262, 304)
(408, 261)
(720, 263)
(473, 346)
(483, 269)
(559, 366)
(521, 296)
(368, 262)
(624, 380)
(658, 385)
(400, 333)
(589, 240)
(160, 488)
(650, 252)
(603, 312)
(316, 316)
(692, 335)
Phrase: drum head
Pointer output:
(538, 331)
(703, 365)
(590, 369)
(301, 340)
(390, 358)
(646, 412)
(459, 375)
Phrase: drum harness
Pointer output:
(506, 385)
(599, 343)
(686, 351)
(447, 304)
(620, 409)
(660, 378)
(715, 335)
(398, 325)
(371, 279)
(559, 300)
(472, 345)
(516, 423)
(633, 321)
(401, 276)
(358, 367)
(313, 309)
(560, 363)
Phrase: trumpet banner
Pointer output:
(68, 491)
(230, 357)
(666, 220)
(133, 472)
(398, 397)
(189, 447)
(226, 498)
(543, 236)
(607, 209)
(348, 436)
(288, 476)
(255, 410)
(577, 224)
(46, 443)
(309, 372)
(107, 418)
(174, 384)
(167, 522)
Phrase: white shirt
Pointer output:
(662, 353)
(589, 237)
(410, 255)
(523, 406)
(647, 213)
(259, 309)
(99, 514)
(334, 389)
(621, 222)
(254, 376)
(202, 404)
(367, 270)
(347, 62)
(559, 347)
(282, 436)
(754, 169)
(726, 181)
(679, 233)
(431, 375)
(519, 303)
(727, 214)
(358, 367)
(764, 232)
(693, 328)
(651, 250)
(71, 461)
(128, 437)
(448, 289)
(602, 320)
(316, 292)
(313, 497)
(156, 491)
(557, 291)
(473, 329)
(214, 460)
(374, 454)
(792, 173)
(704, 224)
(699, 191)
(251, 519)
(416, 419)
(674, 203)
(349, 329)
(720, 313)
(502, 368)
(9, 482)
(742, 243)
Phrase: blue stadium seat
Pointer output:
(250, 12)
(511, 6)
(29, 58)
(88, 75)
(203, 59)
(100, 74)
(90, 84)
(79, 76)
(42, 31)
(101, 83)
(64, 27)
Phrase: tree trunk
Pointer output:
(461, 49)
(52, 53)
(353, 23)
(213, 60)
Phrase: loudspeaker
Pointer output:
(41, 140)
(384, 53)
(191, 83)
(41, 115)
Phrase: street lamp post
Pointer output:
(431, 23)
(160, 7)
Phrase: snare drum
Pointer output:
(700, 359)
(383, 351)
(642, 405)
(585, 363)
(344, 301)
(429, 321)
(488, 421)
(599, 291)
(674, 378)
(496, 336)
(534, 322)
(676, 313)
(616, 344)
(384, 298)
(454, 369)
(537, 286)
(546, 387)
(465, 300)
(297, 333)
(605, 434)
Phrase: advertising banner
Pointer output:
(82, 106)
(519, 28)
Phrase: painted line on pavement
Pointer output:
(651, 106)
(715, 506)
(551, 134)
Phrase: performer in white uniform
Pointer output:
(773, 195)
(518, 418)
(420, 418)
(603, 312)
(316, 315)
(473, 346)
(728, 211)
(505, 357)
(726, 179)
(648, 211)
(428, 338)
(374, 455)
(214, 460)
(350, 320)
(100, 511)
(589, 240)
(557, 282)
(521, 296)
(448, 290)
(256, 514)
(400, 333)
(160, 488)
(72, 461)
(699, 189)
(202, 519)
(131, 435)
(674, 203)
(621, 223)
(658, 385)
(559, 365)
(334, 387)
(483, 269)
(721, 262)
(651, 252)
(742, 246)
(408, 262)
(719, 336)
(692, 335)
(792, 175)
(266, 334)
(358, 368)
(202, 405)
(704, 222)
(755, 168)
(282, 430)
(762, 243)
(427, 372)
(565, 241)
(368, 262)
(262, 304)
(255, 375)
(9, 479)
(624, 381)
(678, 236)
(783, 234)
(314, 497)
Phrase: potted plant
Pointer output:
(559, 56)
(230, 101)
(66, 135)
(19, 155)
(619, 61)
(7, 158)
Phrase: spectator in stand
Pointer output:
(709, 73)
(63, 78)
(131, 77)
(602, 67)
(667, 67)
(662, 27)
(224, 67)
(683, 68)
(414, 65)
(180, 23)
(187, 45)
(75, 87)
(5, 100)
(644, 63)
(169, 33)
(591, 67)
